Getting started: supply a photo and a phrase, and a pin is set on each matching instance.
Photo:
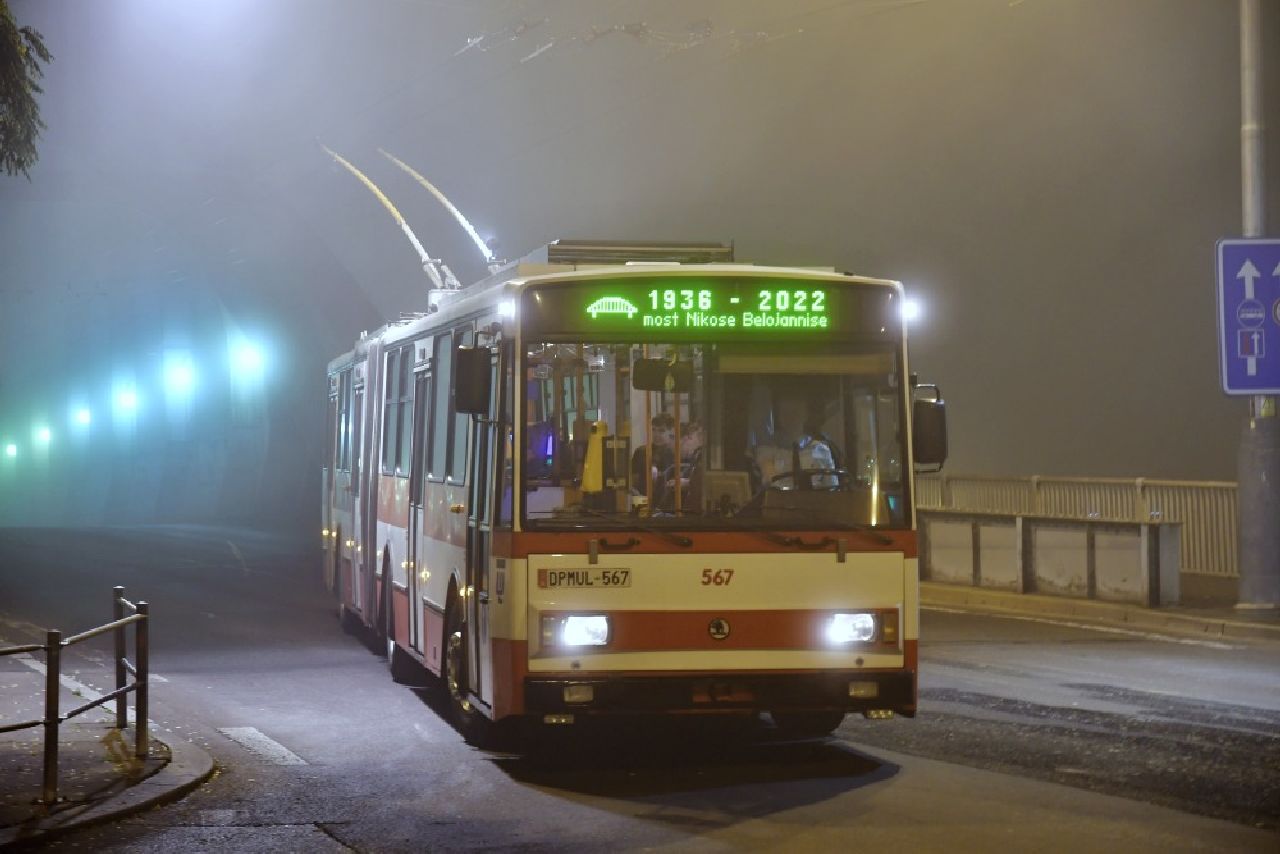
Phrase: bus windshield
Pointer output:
(721, 435)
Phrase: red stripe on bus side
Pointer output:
(433, 633)
(393, 500)
(510, 666)
(400, 612)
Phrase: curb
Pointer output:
(187, 768)
(1183, 624)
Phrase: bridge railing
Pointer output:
(1205, 509)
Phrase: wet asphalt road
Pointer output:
(1186, 735)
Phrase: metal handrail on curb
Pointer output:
(52, 648)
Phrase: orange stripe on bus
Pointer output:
(665, 631)
(525, 543)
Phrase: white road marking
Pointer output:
(75, 686)
(262, 746)
(1114, 630)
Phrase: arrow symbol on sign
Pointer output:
(1248, 272)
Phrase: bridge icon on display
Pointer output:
(612, 305)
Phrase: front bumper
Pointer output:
(687, 694)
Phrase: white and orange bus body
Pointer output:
(542, 562)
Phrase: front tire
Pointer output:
(468, 721)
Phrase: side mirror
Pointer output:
(471, 377)
(929, 430)
(661, 375)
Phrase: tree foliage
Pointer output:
(22, 51)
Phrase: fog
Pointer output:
(1048, 176)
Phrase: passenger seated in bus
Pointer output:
(690, 473)
(662, 430)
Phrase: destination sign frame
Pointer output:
(716, 307)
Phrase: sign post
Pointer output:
(1258, 462)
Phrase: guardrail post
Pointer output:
(140, 709)
(52, 666)
(1035, 495)
(117, 613)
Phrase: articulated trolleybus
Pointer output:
(620, 478)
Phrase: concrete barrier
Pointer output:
(1133, 562)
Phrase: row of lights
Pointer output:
(247, 362)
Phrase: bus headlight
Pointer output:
(575, 630)
(851, 628)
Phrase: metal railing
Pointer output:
(1206, 509)
(53, 718)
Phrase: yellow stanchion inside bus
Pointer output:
(593, 462)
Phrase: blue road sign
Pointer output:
(1249, 314)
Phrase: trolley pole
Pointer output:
(1258, 462)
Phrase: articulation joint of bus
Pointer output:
(676, 487)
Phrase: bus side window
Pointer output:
(457, 448)
(417, 469)
(406, 411)
(390, 411)
(441, 371)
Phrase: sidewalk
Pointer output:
(1223, 623)
(98, 776)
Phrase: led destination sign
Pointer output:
(692, 307)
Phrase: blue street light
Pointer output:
(124, 409)
(247, 361)
(82, 417)
(11, 450)
(179, 376)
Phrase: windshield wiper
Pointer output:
(679, 540)
(864, 528)
(795, 542)
(801, 543)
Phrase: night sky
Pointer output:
(1048, 176)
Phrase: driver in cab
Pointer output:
(801, 456)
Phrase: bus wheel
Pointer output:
(382, 623)
(349, 620)
(402, 665)
(806, 724)
(465, 717)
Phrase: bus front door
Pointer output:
(480, 544)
